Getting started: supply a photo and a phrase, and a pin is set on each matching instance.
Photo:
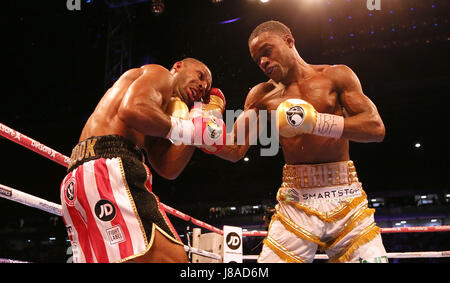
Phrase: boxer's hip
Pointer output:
(107, 196)
(109, 146)
(321, 205)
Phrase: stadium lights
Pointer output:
(157, 7)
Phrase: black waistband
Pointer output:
(103, 147)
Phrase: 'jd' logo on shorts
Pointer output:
(105, 210)
(233, 241)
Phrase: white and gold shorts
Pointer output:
(322, 206)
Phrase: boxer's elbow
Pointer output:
(132, 111)
(233, 159)
(376, 131)
(239, 156)
(381, 132)
(167, 173)
(126, 113)
(232, 153)
(170, 176)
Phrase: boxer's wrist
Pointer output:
(210, 133)
(215, 103)
(181, 131)
(177, 108)
(196, 110)
(203, 110)
(329, 125)
(297, 117)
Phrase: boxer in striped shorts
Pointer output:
(108, 206)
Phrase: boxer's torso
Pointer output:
(320, 91)
(105, 120)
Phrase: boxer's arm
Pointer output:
(244, 133)
(239, 140)
(167, 159)
(363, 123)
(141, 105)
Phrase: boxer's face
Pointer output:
(272, 54)
(193, 81)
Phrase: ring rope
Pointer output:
(45, 151)
(7, 260)
(39, 203)
(42, 204)
(61, 159)
(30, 200)
(389, 255)
(36, 202)
(33, 145)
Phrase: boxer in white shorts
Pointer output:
(322, 207)
(318, 109)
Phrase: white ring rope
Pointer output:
(36, 202)
(389, 255)
(61, 159)
(39, 203)
(202, 253)
(29, 200)
(7, 260)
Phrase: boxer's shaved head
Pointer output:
(274, 27)
(192, 61)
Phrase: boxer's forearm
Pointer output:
(146, 118)
(175, 160)
(233, 152)
(167, 159)
(364, 128)
(243, 135)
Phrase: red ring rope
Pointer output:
(45, 151)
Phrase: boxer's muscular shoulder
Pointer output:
(341, 75)
(256, 96)
(157, 76)
(336, 71)
(156, 72)
(148, 70)
(321, 68)
(155, 69)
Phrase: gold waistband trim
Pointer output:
(319, 175)
(365, 236)
(297, 230)
(282, 252)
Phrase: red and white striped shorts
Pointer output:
(109, 216)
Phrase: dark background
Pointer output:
(58, 64)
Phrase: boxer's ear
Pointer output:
(289, 39)
(177, 67)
